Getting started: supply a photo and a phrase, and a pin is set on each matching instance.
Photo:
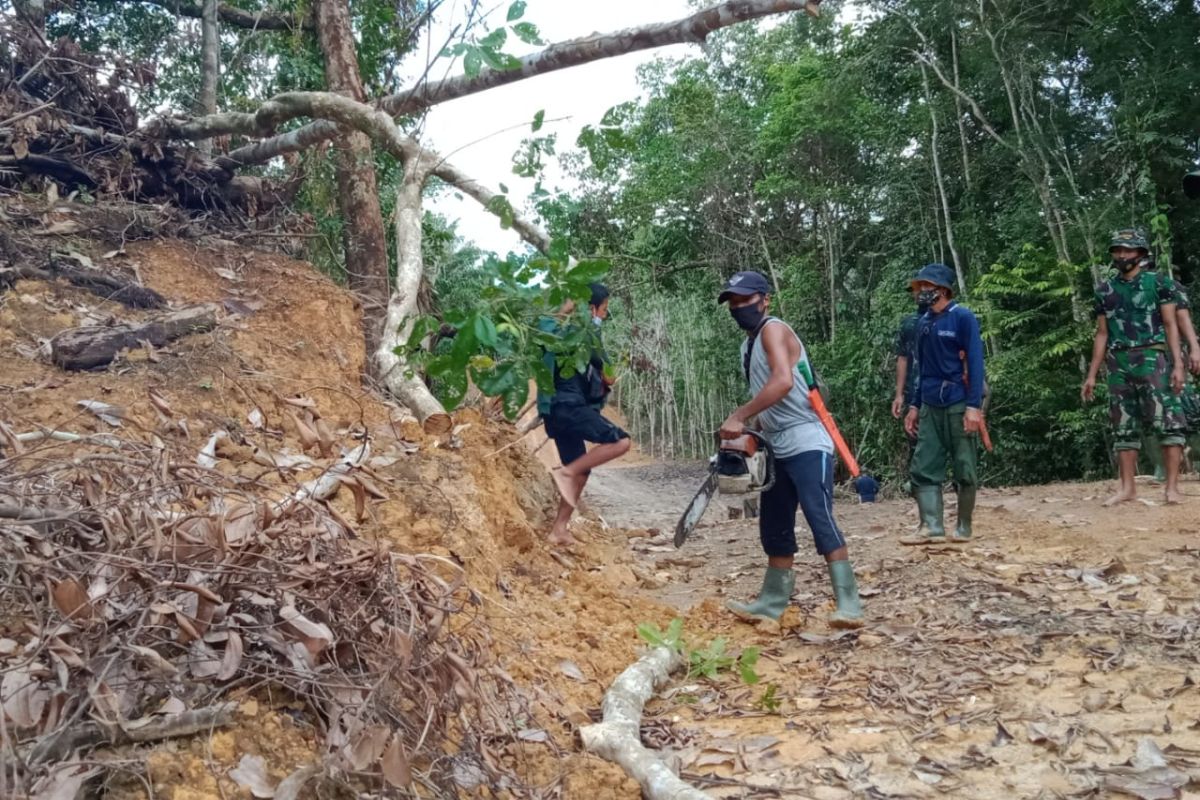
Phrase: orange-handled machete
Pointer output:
(983, 428)
(818, 404)
(839, 444)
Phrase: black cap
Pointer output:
(745, 284)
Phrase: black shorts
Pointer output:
(572, 426)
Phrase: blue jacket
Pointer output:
(940, 341)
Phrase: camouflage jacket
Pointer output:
(1133, 309)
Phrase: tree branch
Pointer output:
(693, 29)
(232, 15)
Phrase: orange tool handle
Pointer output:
(839, 444)
(987, 437)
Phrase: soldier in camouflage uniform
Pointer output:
(1137, 338)
(1191, 358)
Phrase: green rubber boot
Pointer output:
(772, 599)
(966, 510)
(849, 612)
(929, 503)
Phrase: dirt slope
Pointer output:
(561, 628)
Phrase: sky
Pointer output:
(581, 95)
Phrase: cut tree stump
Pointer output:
(92, 347)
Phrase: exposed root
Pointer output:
(618, 737)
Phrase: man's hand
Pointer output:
(1089, 389)
(1178, 378)
(1194, 360)
(733, 427)
(911, 422)
(973, 421)
(897, 405)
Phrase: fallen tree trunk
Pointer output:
(618, 737)
(109, 287)
(91, 347)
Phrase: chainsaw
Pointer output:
(743, 465)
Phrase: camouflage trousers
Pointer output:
(1140, 398)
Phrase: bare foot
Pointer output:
(1174, 497)
(1123, 496)
(569, 486)
(813, 8)
(561, 539)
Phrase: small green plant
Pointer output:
(703, 662)
(770, 702)
(672, 638)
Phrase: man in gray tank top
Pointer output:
(776, 366)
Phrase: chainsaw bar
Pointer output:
(695, 509)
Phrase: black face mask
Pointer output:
(927, 297)
(1126, 265)
(747, 317)
(922, 308)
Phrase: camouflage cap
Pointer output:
(1132, 238)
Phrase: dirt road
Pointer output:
(1054, 657)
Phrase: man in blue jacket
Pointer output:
(946, 413)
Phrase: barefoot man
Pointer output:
(1137, 337)
(776, 366)
(573, 418)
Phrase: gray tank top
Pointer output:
(791, 425)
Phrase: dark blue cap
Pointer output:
(745, 284)
(1191, 185)
(938, 275)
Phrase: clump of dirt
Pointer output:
(559, 626)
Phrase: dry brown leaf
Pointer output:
(65, 782)
(325, 436)
(160, 403)
(308, 436)
(360, 496)
(154, 659)
(172, 705)
(289, 788)
(71, 599)
(367, 747)
(396, 769)
(231, 659)
(23, 696)
(251, 773)
(314, 630)
(571, 670)
(202, 660)
(109, 414)
(105, 703)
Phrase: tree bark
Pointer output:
(941, 183)
(402, 307)
(363, 237)
(210, 65)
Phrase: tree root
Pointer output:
(618, 737)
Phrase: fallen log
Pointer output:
(90, 734)
(618, 737)
(95, 346)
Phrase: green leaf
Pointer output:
(499, 61)
(528, 33)
(494, 40)
(473, 62)
(485, 331)
(503, 188)
(516, 10)
(650, 634)
(538, 119)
